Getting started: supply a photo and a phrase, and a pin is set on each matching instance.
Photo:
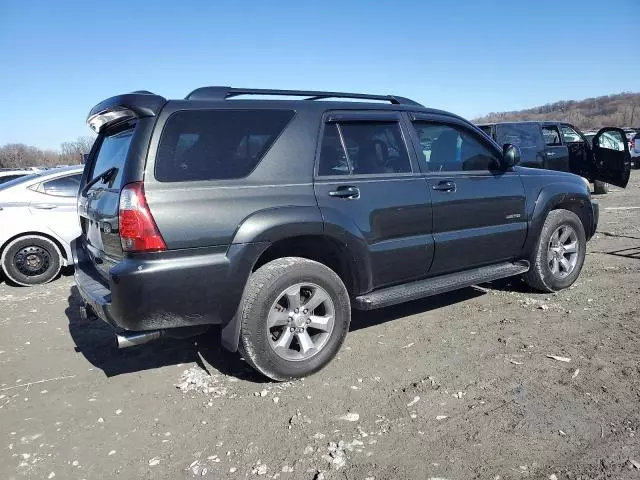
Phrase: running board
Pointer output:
(436, 285)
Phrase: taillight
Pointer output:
(138, 230)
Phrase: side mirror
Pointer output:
(511, 155)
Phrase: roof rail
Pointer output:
(222, 93)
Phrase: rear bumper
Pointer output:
(166, 290)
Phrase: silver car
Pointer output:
(38, 220)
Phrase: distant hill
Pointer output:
(619, 110)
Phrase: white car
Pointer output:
(38, 220)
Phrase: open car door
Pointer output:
(611, 162)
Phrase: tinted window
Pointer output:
(486, 129)
(112, 153)
(64, 186)
(569, 134)
(611, 140)
(522, 135)
(551, 136)
(371, 148)
(333, 159)
(446, 148)
(8, 178)
(216, 144)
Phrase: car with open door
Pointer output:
(602, 157)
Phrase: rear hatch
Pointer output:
(99, 198)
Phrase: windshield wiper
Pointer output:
(105, 177)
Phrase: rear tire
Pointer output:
(554, 266)
(600, 188)
(31, 260)
(281, 338)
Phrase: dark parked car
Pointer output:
(274, 218)
(561, 146)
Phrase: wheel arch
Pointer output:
(555, 197)
(64, 251)
(320, 248)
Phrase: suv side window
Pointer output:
(569, 134)
(63, 187)
(363, 148)
(448, 148)
(333, 158)
(216, 144)
(551, 135)
(523, 135)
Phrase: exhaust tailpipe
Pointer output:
(138, 338)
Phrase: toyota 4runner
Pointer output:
(273, 218)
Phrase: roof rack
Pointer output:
(222, 93)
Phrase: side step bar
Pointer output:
(434, 286)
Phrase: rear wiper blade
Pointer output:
(104, 177)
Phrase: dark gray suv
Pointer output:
(274, 218)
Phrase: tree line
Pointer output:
(19, 155)
(619, 110)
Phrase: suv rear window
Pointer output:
(112, 153)
(216, 144)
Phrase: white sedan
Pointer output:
(38, 220)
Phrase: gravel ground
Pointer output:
(457, 387)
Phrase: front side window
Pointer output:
(569, 134)
(363, 148)
(216, 144)
(551, 136)
(63, 187)
(447, 148)
(611, 140)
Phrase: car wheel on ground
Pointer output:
(600, 187)
(294, 314)
(31, 260)
(559, 253)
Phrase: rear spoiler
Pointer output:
(124, 107)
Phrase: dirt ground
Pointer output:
(454, 387)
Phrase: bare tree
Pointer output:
(18, 155)
(618, 110)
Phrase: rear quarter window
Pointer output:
(520, 135)
(216, 144)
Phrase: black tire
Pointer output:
(540, 276)
(46, 264)
(600, 188)
(261, 292)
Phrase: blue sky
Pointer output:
(470, 57)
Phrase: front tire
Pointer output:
(31, 260)
(559, 253)
(294, 315)
(600, 188)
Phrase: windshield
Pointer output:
(18, 181)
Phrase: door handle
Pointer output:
(45, 206)
(345, 192)
(551, 154)
(445, 186)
